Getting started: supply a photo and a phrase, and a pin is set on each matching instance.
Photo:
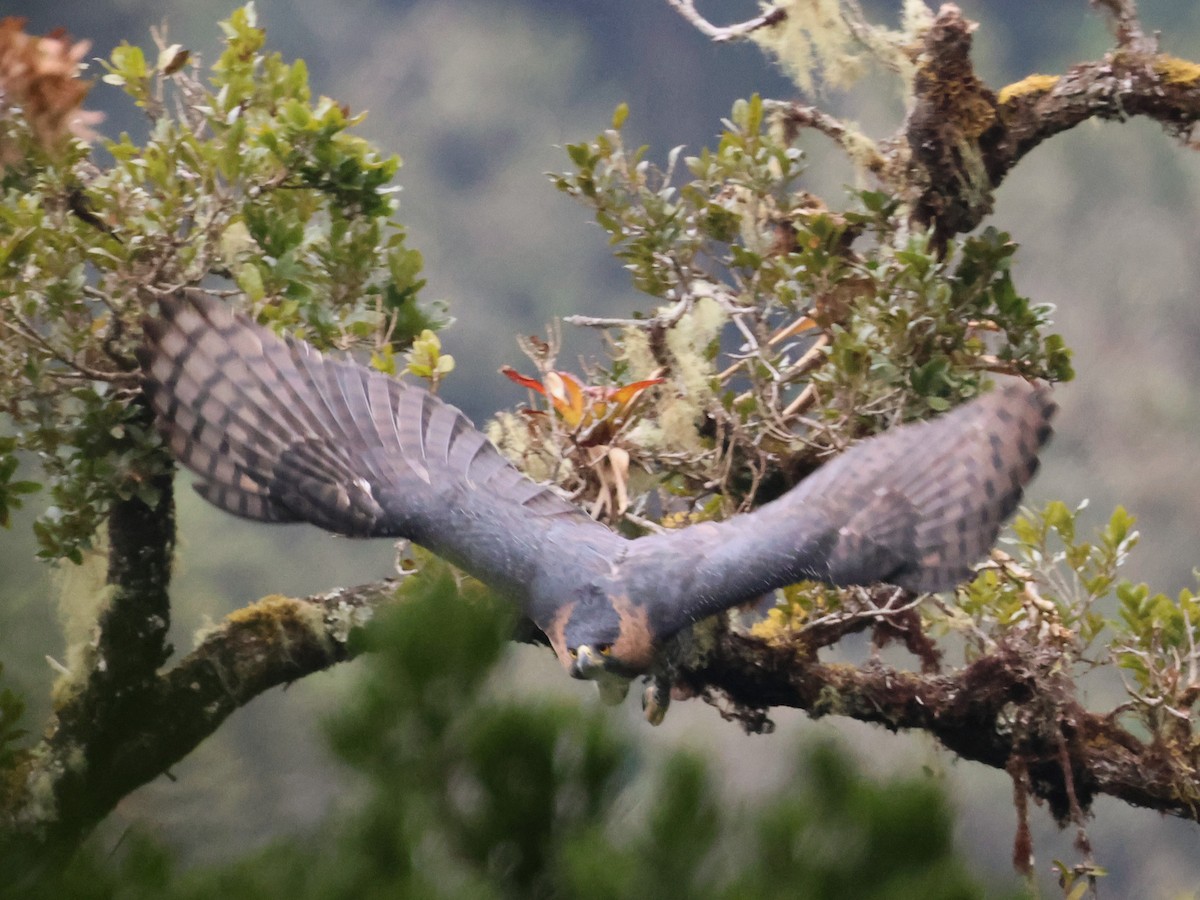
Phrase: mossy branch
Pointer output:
(1006, 705)
(108, 691)
(963, 139)
(1159, 86)
(113, 737)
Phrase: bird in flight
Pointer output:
(278, 432)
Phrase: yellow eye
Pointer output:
(605, 649)
(574, 653)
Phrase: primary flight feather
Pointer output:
(278, 432)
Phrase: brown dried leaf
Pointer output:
(40, 76)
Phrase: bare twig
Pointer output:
(803, 402)
(796, 116)
(1127, 27)
(868, 612)
(738, 32)
(642, 522)
(26, 330)
(664, 319)
(810, 359)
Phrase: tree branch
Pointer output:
(104, 744)
(1007, 707)
(795, 116)
(1010, 709)
(1160, 87)
(962, 139)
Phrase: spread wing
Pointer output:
(916, 507)
(278, 432)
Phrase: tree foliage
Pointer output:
(782, 327)
(244, 177)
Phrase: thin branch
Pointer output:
(27, 331)
(642, 522)
(721, 35)
(826, 630)
(664, 319)
(1127, 27)
(803, 402)
(796, 116)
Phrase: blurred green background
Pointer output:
(476, 96)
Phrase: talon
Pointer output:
(656, 698)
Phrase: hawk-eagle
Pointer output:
(279, 432)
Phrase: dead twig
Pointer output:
(722, 35)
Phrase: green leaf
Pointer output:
(1061, 519)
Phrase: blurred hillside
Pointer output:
(475, 96)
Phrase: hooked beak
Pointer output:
(588, 663)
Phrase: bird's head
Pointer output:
(601, 636)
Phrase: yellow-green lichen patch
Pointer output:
(265, 609)
(813, 38)
(522, 445)
(206, 630)
(703, 640)
(72, 682)
(1174, 70)
(833, 699)
(39, 802)
(955, 104)
(802, 604)
(778, 627)
(862, 150)
(83, 594)
(83, 591)
(691, 342)
(276, 616)
(1030, 84)
(274, 630)
(635, 350)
